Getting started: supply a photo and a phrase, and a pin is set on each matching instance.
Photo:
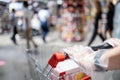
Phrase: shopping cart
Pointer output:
(53, 69)
(48, 72)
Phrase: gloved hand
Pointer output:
(83, 56)
(88, 59)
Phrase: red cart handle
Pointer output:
(86, 78)
(56, 58)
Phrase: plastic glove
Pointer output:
(88, 59)
(80, 54)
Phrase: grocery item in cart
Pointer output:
(68, 70)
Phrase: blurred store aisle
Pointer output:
(16, 67)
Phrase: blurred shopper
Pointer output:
(116, 30)
(110, 16)
(44, 18)
(27, 25)
(13, 21)
(97, 23)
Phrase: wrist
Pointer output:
(99, 63)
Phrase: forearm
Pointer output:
(113, 57)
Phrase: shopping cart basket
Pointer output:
(49, 71)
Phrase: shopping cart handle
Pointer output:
(56, 58)
(95, 48)
(103, 46)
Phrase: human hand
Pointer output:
(83, 56)
(88, 60)
(78, 51)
